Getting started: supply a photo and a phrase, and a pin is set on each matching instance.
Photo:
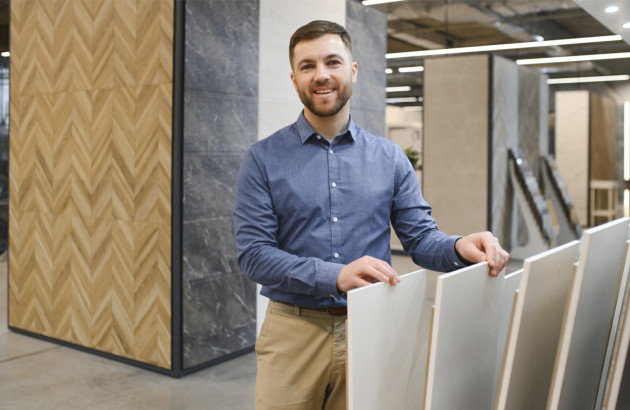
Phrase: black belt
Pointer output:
(334, 311)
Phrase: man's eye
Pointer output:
(306, 67)
(334, 62)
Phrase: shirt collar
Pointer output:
(306, 131)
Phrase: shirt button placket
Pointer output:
(333, 177)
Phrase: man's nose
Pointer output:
(321, 73)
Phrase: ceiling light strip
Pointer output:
(401, 100)
(572, 59)
(373, 2)
(592, 79)
(403, 88)
(499, 47)
(414, 69)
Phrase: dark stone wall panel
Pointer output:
(210, 252)
(209, 184)
(233, 20)
(221, 321)
(220, 122)
(222, 46)
(215, 122)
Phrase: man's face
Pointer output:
(323, 74)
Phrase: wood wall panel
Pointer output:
(90, 176)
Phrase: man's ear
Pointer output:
(293, 81)
(355, 68)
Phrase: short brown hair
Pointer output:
(316, 29)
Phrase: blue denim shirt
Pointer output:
(305, 207)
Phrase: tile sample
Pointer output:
(512, 283)
(535, 328)
(621, 329)
(388, 333)
(466, 331)
(588, 317)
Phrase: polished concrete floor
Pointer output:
(36, 374)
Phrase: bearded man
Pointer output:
(312, 221)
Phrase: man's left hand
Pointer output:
(482, 247)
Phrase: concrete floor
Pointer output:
(36, 374)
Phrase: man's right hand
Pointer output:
(364, 271)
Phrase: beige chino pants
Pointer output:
(301, 358)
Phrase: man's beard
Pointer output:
(343, 96)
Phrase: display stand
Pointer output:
(603, 201)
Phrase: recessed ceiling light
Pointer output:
(611, 9)
(626, 25)
(388, 71)
(5, 54)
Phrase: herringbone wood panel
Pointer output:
(90, 177)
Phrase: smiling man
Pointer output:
(312, 221)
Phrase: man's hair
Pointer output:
(316, 29)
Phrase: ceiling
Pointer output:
(436, 24)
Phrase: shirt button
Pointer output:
(335, 219)
(333, 184)
(456, 264)
(336, 255)
(319, 137)
(330, 151)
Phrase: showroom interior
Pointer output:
(122, 128)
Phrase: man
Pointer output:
(312, 221)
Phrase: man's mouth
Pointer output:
(326, 91)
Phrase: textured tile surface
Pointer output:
(535, 328)
(466, 333)
(589, 314)
(388, 332)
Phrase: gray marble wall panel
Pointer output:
(220, 122)
(531, 122)
(504, 137)
(368, 28)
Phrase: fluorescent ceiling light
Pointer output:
(611, 9)
(571, 59)
(5, 54)
(499, 47)
(388, 71)
(373, 2)
(592, 79)
(400, 89)
(413, 69)
(401, 100)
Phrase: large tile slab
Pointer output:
(588, 317)
(535, 328)
(466, 333)
(388, 330)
